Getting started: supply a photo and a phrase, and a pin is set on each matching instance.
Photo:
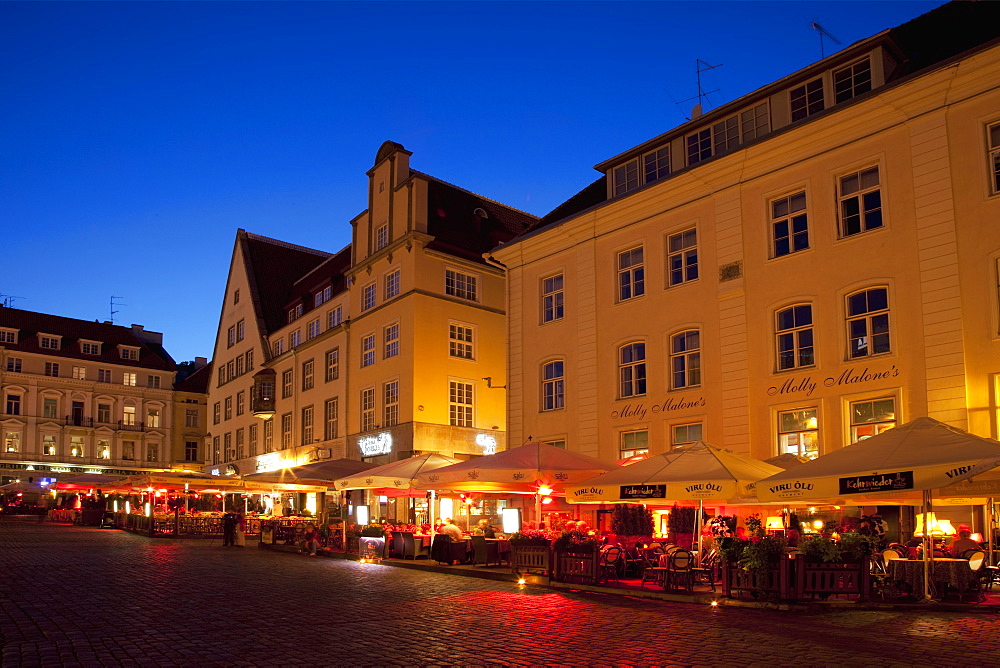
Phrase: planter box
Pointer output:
(530, 558)
(824, 579)
(577, 566)
(776, 582)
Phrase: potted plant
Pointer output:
(680, 523)
(834, 567)
(529, 552)
(632, 524)
(576, 557)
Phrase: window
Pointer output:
(322, 296)
(240, 330)
(104, 375)
(553, 386)
(382, 237)
(14, 364)
(216, 413)
(807, 99)
(682, 257)
(626, 177)
(460, 341)
(869, 418)
(236, 296)
(48, 445)
(332, 364)
(798, 433)
(128, 450)
(630, 274)
(312, 329)
(685, 359)
(52, 369)
(331, 419)
(231, 336)
(868, 323)
(656, 165)
(307, 425)
(230, 370)
(12, 441)
(789, 225)
(153, 382)
(552, 298)
(241, 402)
(368, 350)
(699, 146)
(754, 123)
(286, 431)
(191, 417)
(191, 451)
(860, 202)
(632, 369)
(128, 378)
(390, 403)
(49, 342)
(153, 418)
(683, 434)
(228, 411)
(392, 284)
(368, 409)
(286, 383)
(129, 353)
(294, 339)
(368, 297)
(851, 81)
(222, 375)
(103, 450)
(279, 347)
(227, 446)
(459, 404)
(240, 366)
(50, 408)
(13, 404)
(993, 142)
(308, 375)
(460, 285)
(726, 135)
(268, 436)
(294, 313)
(390, 336)
(104, 413)
(8, 336)
(252, 438)
(249, 359)
(794, 337)
(634, 443)
(88, 348)
(76, 446)
(558, 444)
(336, 317)
(80, 373)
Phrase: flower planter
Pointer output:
(530, 557)
(577, 566)
(825, 579)
(776, 582)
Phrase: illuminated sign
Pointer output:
(379, 444)
(487, 443)
(269, 462)
(214, 472)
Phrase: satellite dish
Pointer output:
(696, 112)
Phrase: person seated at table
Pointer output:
(485, 529)
(451, 530)
(962, 543)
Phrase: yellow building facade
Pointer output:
(801, 268)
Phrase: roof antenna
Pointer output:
(113, 305)
(703, 94)
(823, 32)
(8, 300)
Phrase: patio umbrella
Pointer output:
(919, 456)
(91, 481)
(315, 473)
(24, 487)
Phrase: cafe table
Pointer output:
(952, 572)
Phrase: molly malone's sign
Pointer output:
(805, 386)
(641, 409)
(880, 482)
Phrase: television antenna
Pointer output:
(823, 32)
(8, 300)
(700, 66)
(113, 305)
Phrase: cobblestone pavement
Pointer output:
(81, 596)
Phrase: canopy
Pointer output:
(91, 481)
(521, 470)
(317, 473)
(25, 487)
(920, 455)
(696, 472)
(399, 475)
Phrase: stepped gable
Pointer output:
(152, 355)
(273, 267)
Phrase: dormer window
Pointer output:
(851, 81)
(294, 313)
(382, 236)
(322, 296)
(90, 347)
(807, 99)
(128, 353)
(8, 336)
(49, 341)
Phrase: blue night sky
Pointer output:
(135, 138)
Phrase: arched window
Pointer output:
(685, 359)
(632, 369)
(553, 385)
(868, 323)
(794, 337)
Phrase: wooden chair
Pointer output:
(652, 572)
(484, 551)
(609, 562)
(680, 572)
(708, 572)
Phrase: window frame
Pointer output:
(390, 403)
(632, 372)
(368, 350)
(860, 197)
(390, 340)
(872, 318)
(369, 296)
(308, 374)
(461, 341)
(993, 156)
(461, 413)
(802, 449)
(553, 386)
(812, 94)
(461, 284)
(856, 84)
(368, 406)
(631, 450)
(793, 334)
(391, 284)
(553, 297)
(675, 443)
(331, 361)
(630, 273)
(331, 418)
(685, 361)
(682, 264)
(878, 425)
(795, 223)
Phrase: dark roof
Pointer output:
(590, 196)
(29, 323)
(457, 228)
(944, 32)
(197, 381)
(273, 267)
(330, 271)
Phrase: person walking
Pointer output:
(229, 529)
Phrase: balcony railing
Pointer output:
(79, 421)
(136, 426)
